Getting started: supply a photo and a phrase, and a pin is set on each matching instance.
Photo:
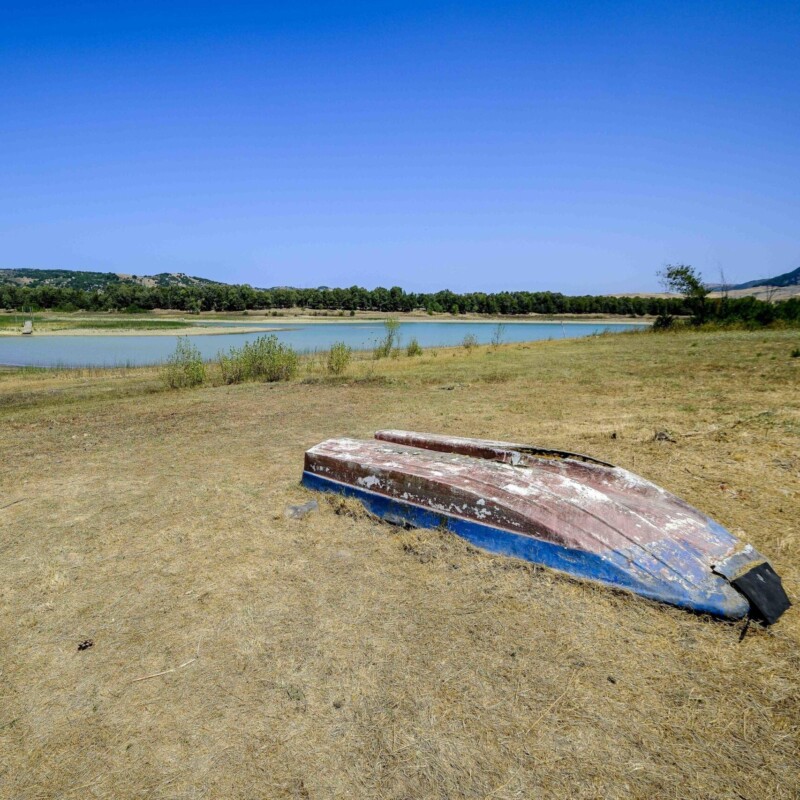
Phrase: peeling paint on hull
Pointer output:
(561, 510)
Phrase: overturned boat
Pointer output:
(563, 510)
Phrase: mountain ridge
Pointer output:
(91, 281)
(791, 278)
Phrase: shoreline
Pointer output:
(227, 327)
(188, 331)
(463, 320)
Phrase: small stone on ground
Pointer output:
(298, 512)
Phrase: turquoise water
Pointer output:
(108, 351)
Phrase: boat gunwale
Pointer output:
(510, 447)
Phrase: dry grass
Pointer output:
(339, 657)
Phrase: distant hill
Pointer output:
(787, 279)
(89, 281)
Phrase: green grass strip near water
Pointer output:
(12, 321)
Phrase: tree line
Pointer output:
(224, 297)
(704, 310)
(132, 297)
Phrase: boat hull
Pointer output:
(564, 511)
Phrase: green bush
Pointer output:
(264, 359)
(231, 366)
(339, 357)
(469, 341)
(390, 340)
(413, 348)
(185, 366)
(663, 322)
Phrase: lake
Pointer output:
(112, 350)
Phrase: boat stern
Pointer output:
(751, 575)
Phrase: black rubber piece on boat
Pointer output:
(762, 586)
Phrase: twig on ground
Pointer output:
(165, 672)
(705, 477)
(87, 785)
(552, 705)
(502, 786)
(13, 503)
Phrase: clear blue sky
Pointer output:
(571, 146)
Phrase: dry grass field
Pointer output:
(240, 654)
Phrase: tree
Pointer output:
(685, 280)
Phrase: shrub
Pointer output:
(413, 348)
(264, 359)
(231, 366)
(796, 352)
(497, 334)
(390, 340)
(339, 358)
(469, 341)
(185, 366)
(663, 322)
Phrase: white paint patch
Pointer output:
(631, 481)
(520, 491)
(344, 444)
(681, 523)
(369, 481)
(589, 493)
